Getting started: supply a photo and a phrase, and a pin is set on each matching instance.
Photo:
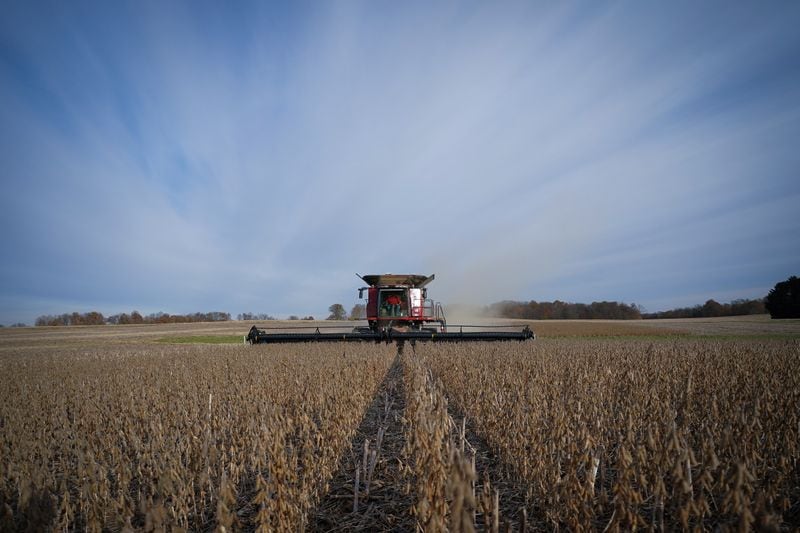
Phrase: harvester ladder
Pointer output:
(439, 314)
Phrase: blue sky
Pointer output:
(180, 157)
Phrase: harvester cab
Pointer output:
(398, 309)
(401, 302)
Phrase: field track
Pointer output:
(596, 425)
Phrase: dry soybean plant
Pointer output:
(440, 461)
(189, 438)
(592, 434)
(617, 435)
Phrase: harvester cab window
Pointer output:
(393, 303)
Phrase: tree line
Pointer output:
(254, 316)
(558, 310)
(713, 308)
(93, 318)
(263, 317)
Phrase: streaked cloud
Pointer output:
(195, 156)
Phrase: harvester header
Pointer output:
(397, 309)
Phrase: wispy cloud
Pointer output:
(191, 156)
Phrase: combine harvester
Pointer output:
(398, 309)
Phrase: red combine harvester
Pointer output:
(398, 309)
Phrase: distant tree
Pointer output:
(163, 318)
(254, 316)
(783, 301)
(93, 318)
(358, 312)
(309, 317)
(747, 307)
(294, 317)
(712, 308)
(337, 312)
(52, 320)
(136, 318)
(19, 325)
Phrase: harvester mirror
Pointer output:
(361, 294)
(424, 293)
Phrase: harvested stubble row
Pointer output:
(186, 437)
(609, 434)
(367, 494)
